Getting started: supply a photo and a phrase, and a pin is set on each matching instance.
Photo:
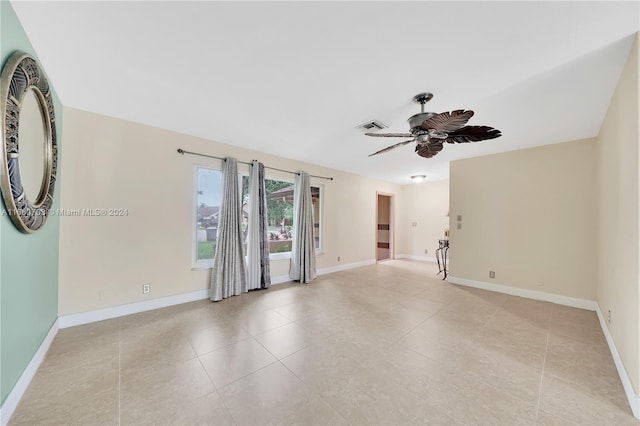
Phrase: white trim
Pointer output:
(280, 279)
(280, 256)
(632, 398)
(417, 257)
(14, 397)
(201, 264)
(130, 308)
(346, 266)
(574, 302)
(320, 248)
(285, 278)
(195, 263)
(72, 320)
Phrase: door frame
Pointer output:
(392, 227)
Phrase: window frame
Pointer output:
(320, 248)
(208, 263)
(195, 262)
(287, 254)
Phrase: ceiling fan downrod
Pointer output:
(416, 120)
(422, 98)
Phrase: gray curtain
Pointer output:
(258, 273)
(229, 275)
(303, 252)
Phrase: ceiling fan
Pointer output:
(430, 130)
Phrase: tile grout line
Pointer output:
(355, 305)
(215, 388)
(312, 391)
(544, 363)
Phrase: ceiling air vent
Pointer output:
(372, 126)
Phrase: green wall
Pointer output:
(28, 262)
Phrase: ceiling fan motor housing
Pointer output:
(417, 119)
(431, 133)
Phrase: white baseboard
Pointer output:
(130, 308)
(65, 321)
(416, 257)
(14, 397)
(346, 266)
(632, 398)
(322, 271)
(574, 302)
(72, 320)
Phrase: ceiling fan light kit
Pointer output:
(430, 130)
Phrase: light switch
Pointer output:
(458, 225)
(459, 218)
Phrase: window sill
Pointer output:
(203, 265)
(272, 256)
(280, 256)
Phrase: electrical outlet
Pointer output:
(458, 225)
(414, 224)
(459, 218)
(338, 258)
(609, 316)
(146, 288)
(492, 274)
(426, 251)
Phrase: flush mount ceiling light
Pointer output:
(418, 178)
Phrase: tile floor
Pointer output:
(383, 344)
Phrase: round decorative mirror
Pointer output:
(29, 148)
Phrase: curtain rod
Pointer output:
(183, 152)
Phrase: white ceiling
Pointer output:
(295, 78)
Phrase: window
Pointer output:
(279, 215)
(207, 208)
(316, 199)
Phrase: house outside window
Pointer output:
(207, 209)
(280, 196)
(280, 214)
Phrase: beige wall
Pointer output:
(111, 163)
(617, 183)
(426, 204)
(528, 215)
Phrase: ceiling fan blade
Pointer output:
(447, 121)
(473, 134)
(390, 135)
(389, 148)
(428, 150)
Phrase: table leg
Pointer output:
(444, 261)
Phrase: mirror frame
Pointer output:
(20, 74)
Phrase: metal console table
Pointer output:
(441, 256)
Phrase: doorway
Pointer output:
(384, 226)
